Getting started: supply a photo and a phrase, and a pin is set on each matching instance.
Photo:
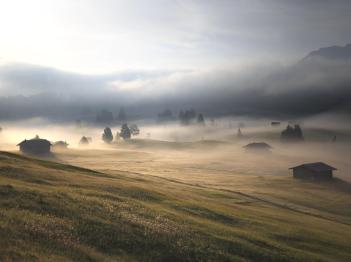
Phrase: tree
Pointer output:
(213, 122)
(122, 116)
(104, 116)
(125, 132)
(239, 134)
(187, 117)
(107, 135)
(200, 119)
(334, 139)
(84, 141)
(298, 132)
(118, 136)
(134, 129)
(79, 123)
(292, 133)
(165, 116)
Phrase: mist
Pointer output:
(273, 90)
(187, 130)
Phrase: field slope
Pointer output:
(57, 212)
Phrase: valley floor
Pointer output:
(132, 203)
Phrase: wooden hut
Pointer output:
(35, 146)
(258, 146)
(317, 170)
(60, 145)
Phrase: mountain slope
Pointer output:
(331, 53)
(52, 211)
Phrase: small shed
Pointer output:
(35, 146)
(258, 146)
(60, 145)
(317, 170)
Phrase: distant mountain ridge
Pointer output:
(332, 53)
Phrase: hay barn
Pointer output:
(317, 170)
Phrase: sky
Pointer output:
(223, 56)
(102, 36)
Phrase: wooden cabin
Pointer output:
(35, 146)
(317, 170)
(258, 146)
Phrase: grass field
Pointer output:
(132, 204)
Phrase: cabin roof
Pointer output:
(316, 167)
(258, 145)
(35, 141)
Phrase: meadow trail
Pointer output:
(272, 202)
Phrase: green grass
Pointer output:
(56, 212)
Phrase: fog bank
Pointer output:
(306, 88)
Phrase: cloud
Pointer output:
(27, 79)
(305, 88)
(100, 36)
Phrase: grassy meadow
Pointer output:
(158, 201)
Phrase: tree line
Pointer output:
(125, 133)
